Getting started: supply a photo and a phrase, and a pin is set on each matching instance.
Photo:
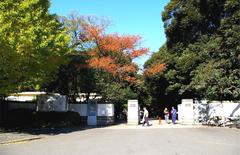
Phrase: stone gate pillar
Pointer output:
(186, 111)
(133, 112)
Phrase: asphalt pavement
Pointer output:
(131, 140)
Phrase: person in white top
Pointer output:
(145, 116)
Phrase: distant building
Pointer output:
(24, 96)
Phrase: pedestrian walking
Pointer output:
(174, 115)
(145, 116)
(166, 115)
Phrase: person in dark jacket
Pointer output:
(174, 115)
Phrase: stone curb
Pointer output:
(20, 140)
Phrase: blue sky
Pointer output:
(134, 17)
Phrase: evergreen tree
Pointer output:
(203, 48)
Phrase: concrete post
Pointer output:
(187, 111)
(133, 112)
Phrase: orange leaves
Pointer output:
(131, 68)
(106, 63)
(139, 52)
(155, 69)
(113, 52)
(110, 65)
(110, 43)
(126, 44)
(130, 79)
(91, 31)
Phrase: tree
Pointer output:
(202, 38)
(101, 62)
(33, 44)
(113, 53)
(157, 84)
(111, 57)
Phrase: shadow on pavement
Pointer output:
(51, 130)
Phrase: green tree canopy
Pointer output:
(32, 44)
(203, 47)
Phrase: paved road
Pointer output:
(145, 141)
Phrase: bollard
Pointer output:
(159, 120)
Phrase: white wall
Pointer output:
(203, 109)
(80, 108)
(21, 98)
(24, 96)
(52, 103)
(226, 109)
(102, 109)
(105, 110)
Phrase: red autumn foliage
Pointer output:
(131, 68)
(155, 69)
(91, 31)
(106, 63)
(127, 44)
(130, 79)
(113, 52)
(139, 52)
